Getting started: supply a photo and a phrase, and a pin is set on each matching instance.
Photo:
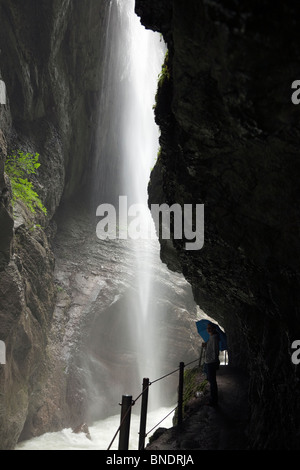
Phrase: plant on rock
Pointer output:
(18, 167)
(165, 71)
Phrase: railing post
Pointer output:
(180, 392)
(143, 419)
(125, 422)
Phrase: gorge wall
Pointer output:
(52, 85)
(61, 293)
(230, 140)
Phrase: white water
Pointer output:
(145, 54)
(101, 432)
(138, 63)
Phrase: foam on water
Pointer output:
(102, 433)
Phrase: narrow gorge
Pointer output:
(197, 93)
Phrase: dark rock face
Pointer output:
(52, 84)
(229, 140)
(51, 64)
(27, 302)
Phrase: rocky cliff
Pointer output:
(230, 140)
(62, 291)
(52, 86)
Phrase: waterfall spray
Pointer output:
(127, 148)
(144, 52)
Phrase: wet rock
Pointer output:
(51, 83)
(82, 428)
(229, 139)
(93, 340)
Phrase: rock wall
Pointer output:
(50, 63)
(60, 288)
(230, 140)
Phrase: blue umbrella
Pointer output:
(202, 330)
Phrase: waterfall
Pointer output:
(144, 56)
(127, 149)
(127, 138)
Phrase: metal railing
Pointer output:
(127, 404)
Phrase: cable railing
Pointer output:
(127, 404)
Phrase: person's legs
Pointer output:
(211, 377)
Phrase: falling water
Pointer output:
(128, 146)
(145, 52)
(127, 138)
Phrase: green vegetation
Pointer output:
(18, 167)
(165, 71)
(33, 227)
(163, 77)
(191, 386)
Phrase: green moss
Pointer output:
(191, 384)
(165, 71)
(190, 387)
(163, 77)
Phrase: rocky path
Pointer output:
(212, 428)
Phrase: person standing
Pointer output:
(212, 362)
